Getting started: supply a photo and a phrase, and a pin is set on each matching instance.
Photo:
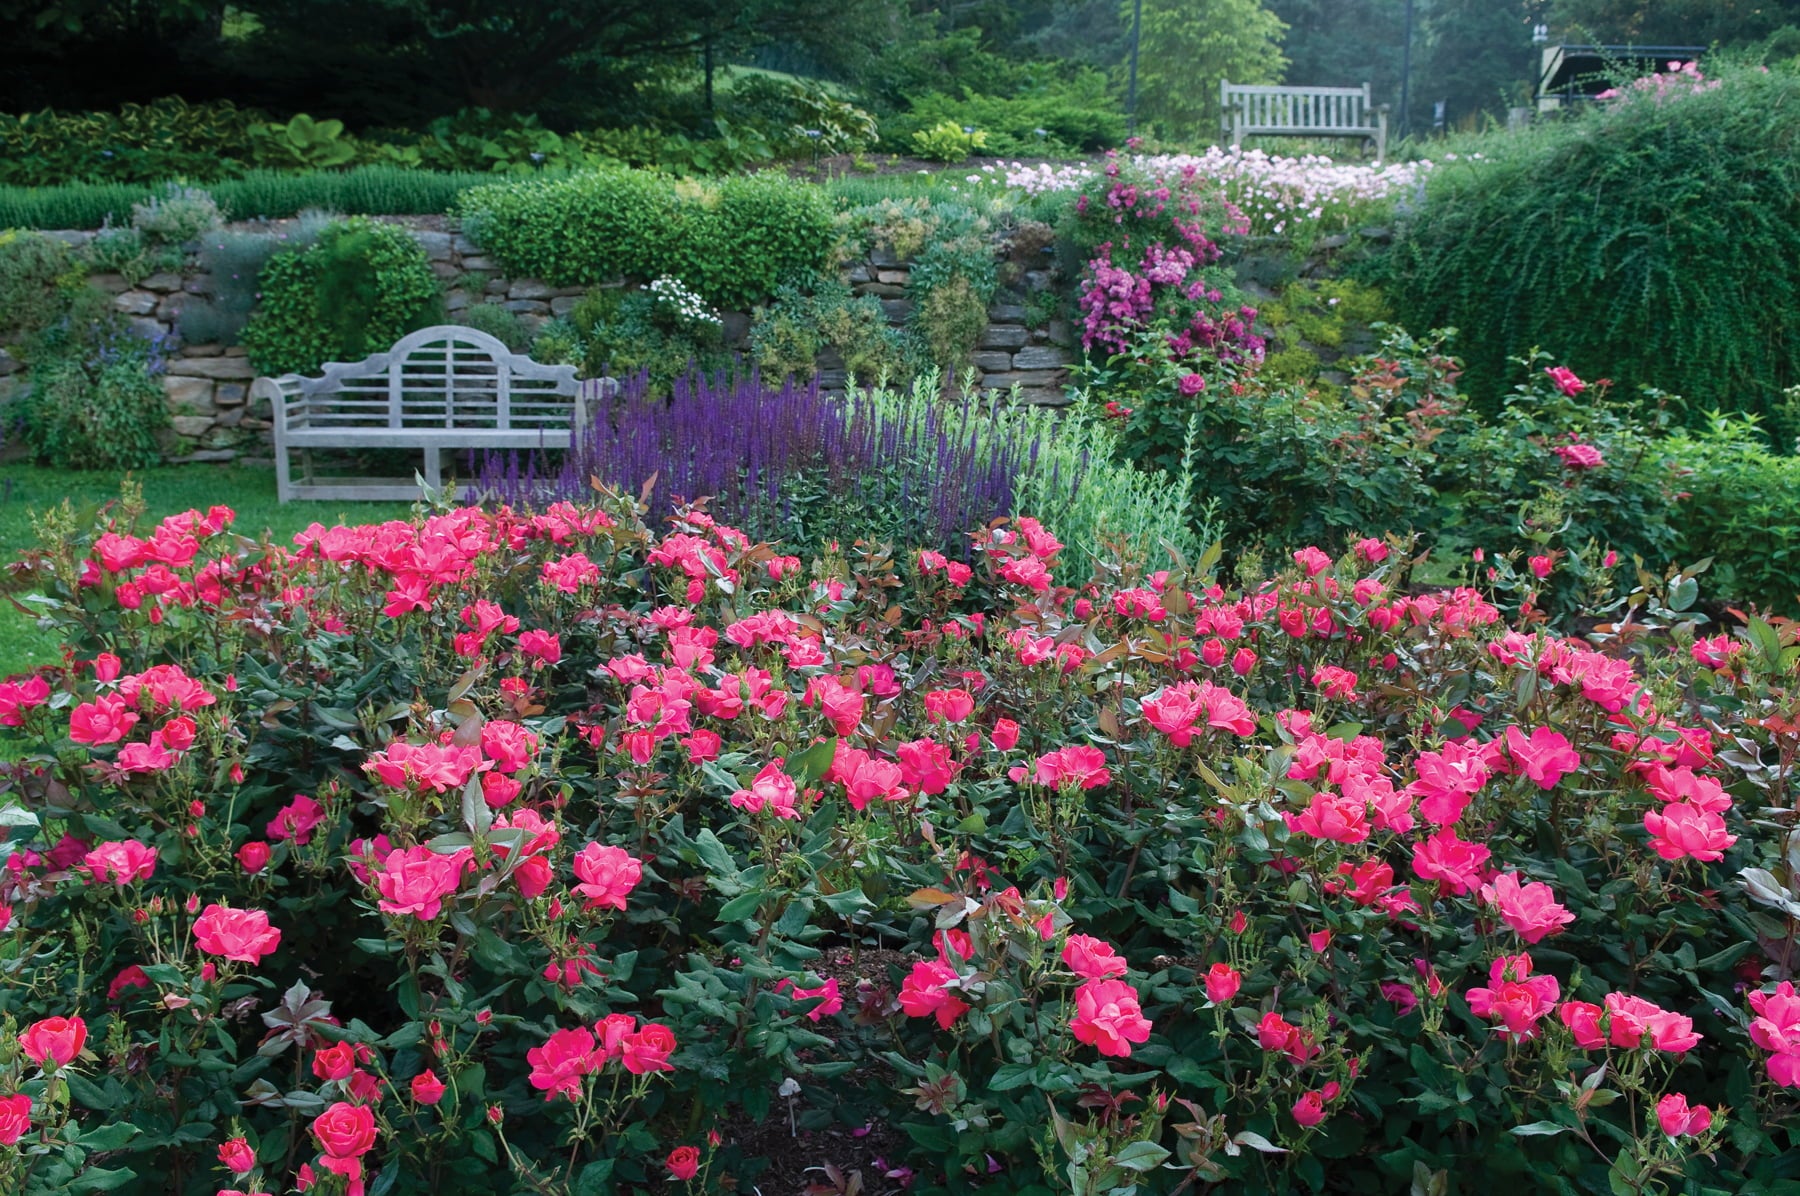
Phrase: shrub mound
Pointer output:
(735, 240)
(1655, 239)
(549, 844)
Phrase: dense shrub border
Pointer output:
(596, 838)
(735, 240)
(1655, 239)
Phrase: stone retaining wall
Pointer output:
(208, 386)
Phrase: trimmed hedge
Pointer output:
(733, 241)
(365, 191)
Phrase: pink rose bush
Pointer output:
(550, 850)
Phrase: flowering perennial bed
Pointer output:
(1275, 194)
(547, 844)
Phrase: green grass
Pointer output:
(26, 490)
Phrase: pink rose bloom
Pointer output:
(1309, 1110)
(1530, 909)
(416, 880)
(104, 720)
(1682, 831)
(1312, 560)
(607, 874)
(1565, 380)
(427, 1089)
(15, 1118)
(648, 1050)
(236, 1156)
(54, 1041)
(772, 790)
(121, 863)
(1108, 1018)
(565, 1059)
(832, 1001)
(1332, 817)
(925, 765)
(544, 645)
(510, 746)
(1515, 998)
(925, 993)
(1678, 1120)
(1222, 983)
(296, 820)
(1191, 385)
(1092, 959)
(240, 934)
(1583, 1020)
(1546, 757)
(1579, 456)
(1028, 572)
(948, 705)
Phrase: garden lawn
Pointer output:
(28, 490)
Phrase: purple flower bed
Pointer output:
(784, 461)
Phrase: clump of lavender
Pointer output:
(787, 461)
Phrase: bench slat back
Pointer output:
(446, 376)
(1255, 108)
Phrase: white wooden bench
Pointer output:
(1257, 111)
(445, 387)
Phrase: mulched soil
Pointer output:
(837, 1159)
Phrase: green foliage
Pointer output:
(1738, 503)
(359, 288)
(128, 253)
(1188, 46)
(139, 143)
(1652, 241)
(734, 241)
(1317, 314)
(234, 262)
(302, 143)
(497, 322)
(948, 141)
(663, 329)
(954, 274)
(788, 335)
(176, 215)
(1104, 508)
(365, 191)
(800, 117)
(36, 275)
(1079, 116)
(95, 401)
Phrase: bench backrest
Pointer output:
(1263, 109)
(446, 376)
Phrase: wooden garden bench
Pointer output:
(445, 387)
(1257, 111)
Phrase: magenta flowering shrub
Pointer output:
(544, 852)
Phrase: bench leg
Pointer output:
(284, 485)
(434, 471)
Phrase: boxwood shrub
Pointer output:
(734, 241)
